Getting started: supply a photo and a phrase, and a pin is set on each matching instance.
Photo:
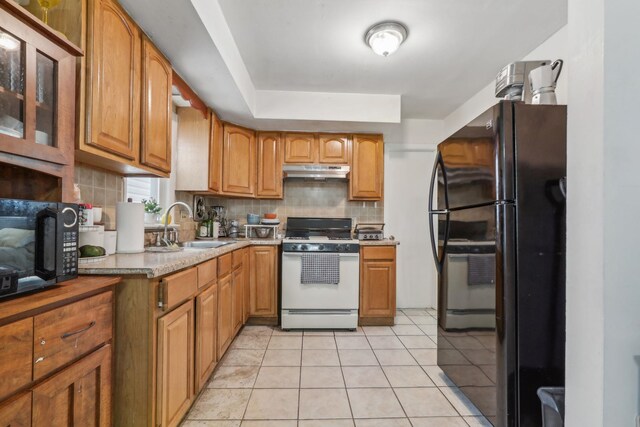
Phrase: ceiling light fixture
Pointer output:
(386, 37)
(7, 42)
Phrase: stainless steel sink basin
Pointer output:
(206, 244)
(164, 249)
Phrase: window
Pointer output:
(142, 188)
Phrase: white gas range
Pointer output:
(320, 274)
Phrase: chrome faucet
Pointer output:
(165, 235)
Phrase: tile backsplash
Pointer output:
(101, 188)
(306, 198)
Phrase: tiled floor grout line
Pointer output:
(344, 380)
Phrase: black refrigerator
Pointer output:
(497, 223)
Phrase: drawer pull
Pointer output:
(39, 359)
(70, 334)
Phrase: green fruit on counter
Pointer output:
(87, 251)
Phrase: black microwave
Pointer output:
(38, 245)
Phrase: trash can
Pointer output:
(552, 399)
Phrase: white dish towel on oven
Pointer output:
(320, 269)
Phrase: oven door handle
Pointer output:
(342, 255)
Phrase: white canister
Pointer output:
(92, 235)
(110, 239)
(216, 229)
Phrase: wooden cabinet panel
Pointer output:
(238, 161)
(16, 352)
(178, 287)
(334, 148)
(193, 144)
(377, 282)
(367, 168)
(16, 412)
(246, 293)
(207, 272)
(216, 141)
(68, 332)
(114, 75)
(269, 166)
(175, 364)
(237, 298)
(206, 334)
(78, 396)
(225, 314)
(300, 148)
(264, 281)
(225, 264)
(156, 108)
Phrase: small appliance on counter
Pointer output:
(38, 244)
(370, 231)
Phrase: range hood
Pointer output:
(316, 172)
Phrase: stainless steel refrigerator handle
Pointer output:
(434, 173)
(434, 249)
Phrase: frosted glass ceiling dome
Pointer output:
(386, 37)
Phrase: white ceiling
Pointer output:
(239, 54)
(454, 48)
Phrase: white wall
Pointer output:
(603, 320)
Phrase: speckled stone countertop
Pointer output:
(383, 242)
(153, 264)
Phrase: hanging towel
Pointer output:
(320, 269)
(481, 269)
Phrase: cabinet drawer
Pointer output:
(64, 334)
(179, 287)
(237, 258)
(378, 252)
(16, 354)
(224, 264)
(207, 272)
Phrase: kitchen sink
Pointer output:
(207, 244)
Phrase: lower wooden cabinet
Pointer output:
(78, 396)
(16, 352)
(225, 313)
(237, 292)
(206, 335)
(175, 364)
(247, 284)
(264, 281)
(17, 411)
(377, 284)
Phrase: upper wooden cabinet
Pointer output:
(334, 148)
(216, 140)
(113, 91)
(269, 166)
(37, 100)
(300, 148)
(238, 161)
(125, 96)
(194, 151)
(156, 108)
(367, 168)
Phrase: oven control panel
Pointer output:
(321, 247)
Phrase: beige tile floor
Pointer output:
(373, 377)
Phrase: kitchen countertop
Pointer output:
(153, 264)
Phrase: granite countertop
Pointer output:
(153, 264)
(383, 242)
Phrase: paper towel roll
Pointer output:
(130, 227)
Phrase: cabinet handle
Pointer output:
(70, 334)
(39, 359)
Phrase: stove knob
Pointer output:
(339, 248)
(304, 247)
(321, 247)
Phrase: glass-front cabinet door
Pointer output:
(37, 93)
